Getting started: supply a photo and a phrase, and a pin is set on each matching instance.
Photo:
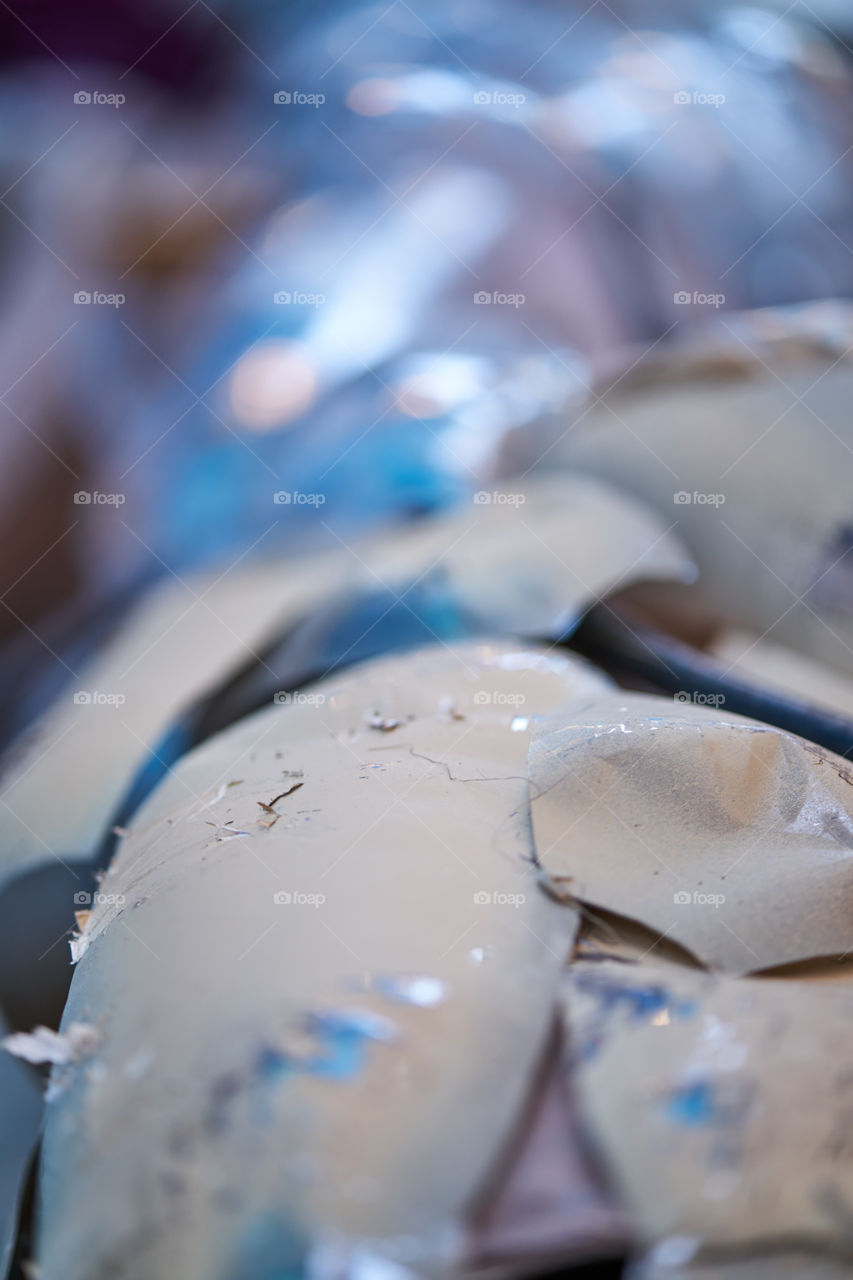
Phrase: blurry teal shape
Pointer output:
(269, 1250)
(693, 1104)
(21, 1116)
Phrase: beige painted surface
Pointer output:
(530, 557)
(721, 1106)
(727, 836)
(405, 852)
(63, 781)
(745, 439)
(774, 666)
(520, 567)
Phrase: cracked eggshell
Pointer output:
(720, 1105)
(252, 953)
(530, 558)
(64, 780)
(729, 837)
(743, 441)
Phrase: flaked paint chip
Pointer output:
(226, 831)
(269, 806)
(43, 1045)
(385, 724)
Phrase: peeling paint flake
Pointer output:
(382, 723)
(43, 1045)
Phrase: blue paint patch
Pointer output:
(272, 1064)
(692, 1105)
(269, 1250)
(345, 1057)
(642, 1003)
(344, 1036)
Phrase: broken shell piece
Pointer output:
(65, 780)
(281, 1104)
(720, 1105)
(722, 834)
(530, 558)
(714, 456)
(775, 666)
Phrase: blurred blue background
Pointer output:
(273, 274)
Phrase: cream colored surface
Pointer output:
(404, 852)
(529, 558)
(62, 783)
(729, 837)
(776, 667)
(721, 1106)
(520, 569)
(770, 436)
